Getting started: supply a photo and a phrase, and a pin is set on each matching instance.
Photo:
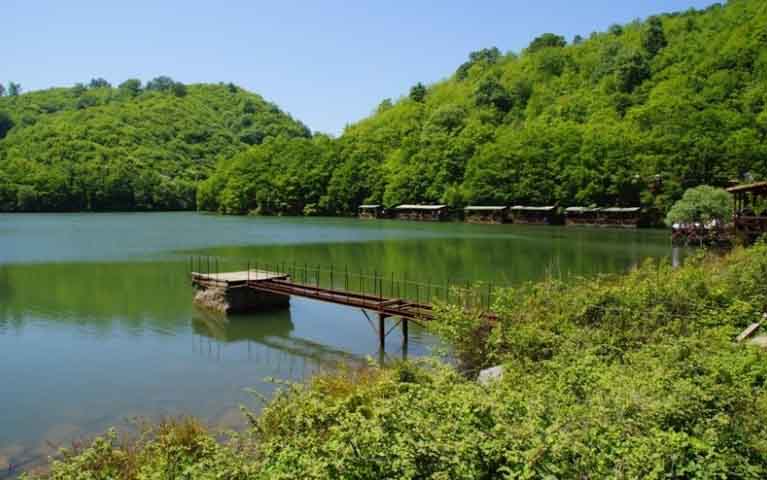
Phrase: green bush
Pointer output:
(701, 204)
(172, 449)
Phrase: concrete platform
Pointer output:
(228, 292)
(226, 279)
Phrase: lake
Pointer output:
(97, 324)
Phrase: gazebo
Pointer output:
(750, 210)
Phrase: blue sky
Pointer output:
(328, 63)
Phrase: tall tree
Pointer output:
(14, 89)
(418, 92)
(5, 124)
(547, 40)
(178, 89)
(490, 93)
(631, 71)
(130, 87)
(161, 83)
(485, 57)
(653, 36)
(99, 83)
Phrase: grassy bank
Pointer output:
(633, 376)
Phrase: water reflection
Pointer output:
(268, 342)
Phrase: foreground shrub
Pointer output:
(172, 449)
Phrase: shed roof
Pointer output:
(369, 206)
(758, 186)
(419, 207)
(534, 209)
(582, 209)
(471, 208)
(621, 209)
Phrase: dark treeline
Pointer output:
(130, 147)
(631, 116)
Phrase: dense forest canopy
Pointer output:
(631, 116)
(130, 147)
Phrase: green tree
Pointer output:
(14, 89)
(701, 204)
(160, 84)
(485, 57)
(418, 92)
(99, 83)
(130, 87)
(178, 89)
(547, 40)
(86, 101)
(490, 93)
(653, 36)
(6, 124)
(385, 104)
(631, 71)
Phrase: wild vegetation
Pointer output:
(131, 147)
(631, 116)
(633, 376)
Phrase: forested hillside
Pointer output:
(630, 116)
(634, 115)
(133, 147)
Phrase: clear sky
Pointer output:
(328, 62)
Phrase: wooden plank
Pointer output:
(750, 330)
(391, 302)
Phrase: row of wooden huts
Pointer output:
(749, 220)
(539, 215)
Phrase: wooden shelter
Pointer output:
(750, 210)
(485, 214)
(582, 216)
(626, 217)
(423, 213)
(536, 215)
(370, 211)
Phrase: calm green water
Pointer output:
(97, 324)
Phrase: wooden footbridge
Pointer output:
(388, 295)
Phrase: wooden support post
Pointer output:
(404, 340)
(382, 331)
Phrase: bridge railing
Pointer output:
(380, 284)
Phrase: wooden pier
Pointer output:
(255, 289)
